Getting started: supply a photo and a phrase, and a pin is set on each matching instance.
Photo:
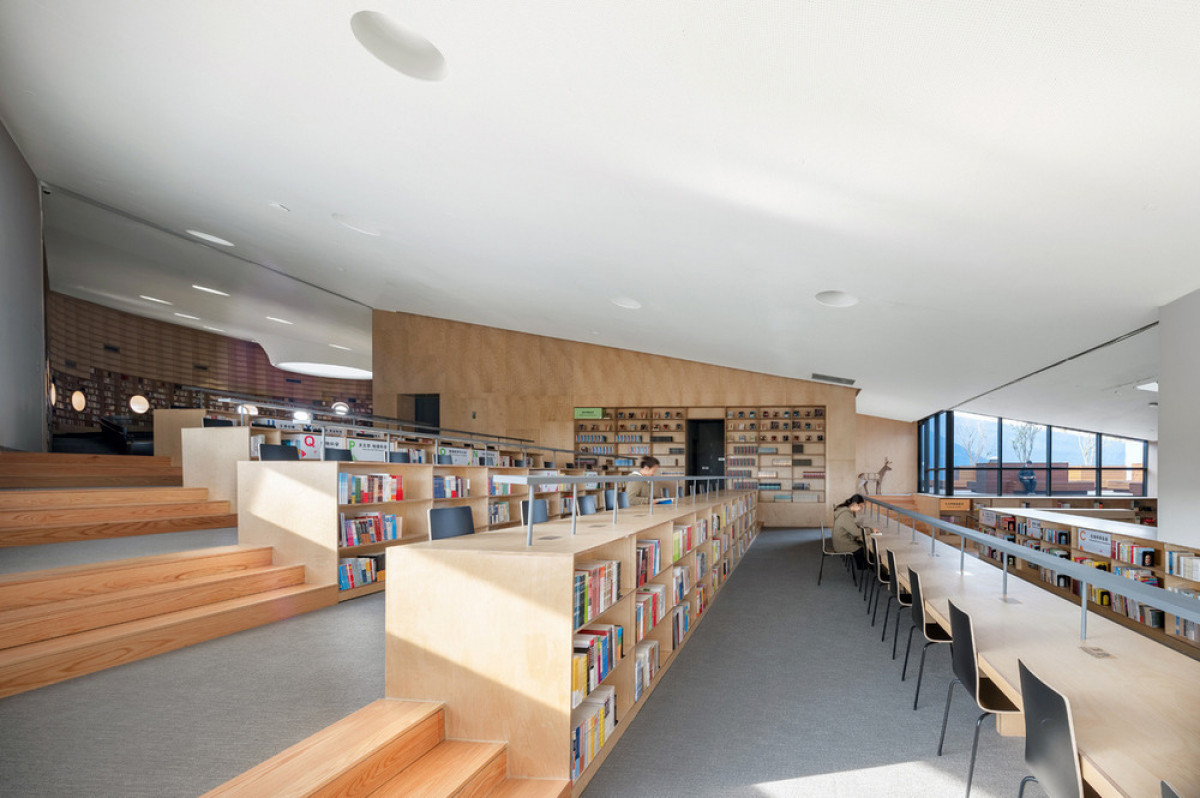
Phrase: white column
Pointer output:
(1179, 421)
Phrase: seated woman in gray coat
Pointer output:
(847, 531)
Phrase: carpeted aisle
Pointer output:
(786, 690)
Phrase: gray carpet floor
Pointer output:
(784, 690)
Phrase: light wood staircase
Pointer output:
(58, 470)
(61, 623)
(389, 748)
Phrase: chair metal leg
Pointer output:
(821, 570)
(974, 748)
(896, 629)
(853, 571)
(907, 649)
(1024, 781)
(920, 674)
(946, 716)
(878, 593)
(887, 611)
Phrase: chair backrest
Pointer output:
(541, 511)
(443, 459)
(878, 560)
(450, 522)
(1050, 750)
(825, 539)
(399, 457)
(277, 451)
(1168, 791)
(918, 605)
(622, 501)
(341, 455)
(962, 652)
(893, 580)
(862, 533)
(586, 505)
(611, 495)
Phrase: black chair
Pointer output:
(933, 633)
(611, 495)
(868, 584)
(881, 581)
(399, 457)
(1168, 791)
(586, 505)
(827, 551)
(987, 695)
(216, 422)
(450, 522)
(541, 511)
(443, 459)
(903, 599)
(340, 455)
(1050, 750)
(277, 451)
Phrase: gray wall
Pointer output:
(22, 304)
(1179, 421)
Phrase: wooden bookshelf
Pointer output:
(621, 436)
(512, 611)
(783, 448)
(1130, 549)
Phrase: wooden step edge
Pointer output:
(39, 588)
(63, 516)
(50, 661)
(28, 625)
(70, 469)
(64, 533)
(388, 729)
(459, 768)
(101, 481)
(72, 457)
(532, 788)
(37, 498)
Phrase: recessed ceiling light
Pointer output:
(302, 415)
(339, 346)
(629, 303)
(280, 207)
(325, 370)
(363, 226)
(210, 238)
(214, 329)
(154, 299)
(340, 408)
(209, 290)
(1149, 386)
(837, 299)
(281, 321)
(404, 50)
(187, 316)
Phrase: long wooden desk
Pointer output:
(1131, 698)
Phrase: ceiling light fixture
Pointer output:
(79, 401)
(139, 404)
(154, 299)
(281, 321)
(210, 238)
(209, 290)
(629, 303)
(214, 329)
(339, 346)
(404, 50)
(188, 316)
(325, 370)
(280, 207)
(1148, 386)
(340, 408)
(302, 415)
(837, 299)
(363, 226)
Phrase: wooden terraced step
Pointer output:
(531, 788)
(45, 498)
(49, 661)
(216, 515)
(115, 460)
(453, 768)
(79, 581)
(54, 470)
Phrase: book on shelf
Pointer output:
(359, 530)
(498, 513)
(680, 623)
(359, 571)
(1183, 563)
(645, 666)
(649, 560)
(649, 608)
(597, 586)
(682, 582)
(369, 488)
(1131, 552)
(451, 487)
(593, 722)
(597, 650)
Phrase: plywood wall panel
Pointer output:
(884, 437)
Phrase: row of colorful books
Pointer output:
(645, 666)
(650, 607)
(592, 723)
(1189, 630)
(1130, 552)
(682, 582)
(359, 571)
(597, 650)
(680, 623)
(686, 537)
(369, 488)
(1183, 563)
(359, 530)
(649, 560)
(498, 513)
(451, 487)
(499, 487)
(597, 587)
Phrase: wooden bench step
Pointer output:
(351, 757)
(42, 458)
(63, 516)
(31, 624)
(32, 588)
(531, 788)
(32, 536)
(49, 661)
(454, 768)
(17, 499)
(110, 478)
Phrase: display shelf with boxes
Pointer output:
(626, 598)
(780, 449)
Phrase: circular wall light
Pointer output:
(837, 299)
(302, 415)
(404, 50)
(341, 408)
(210, 238)
(139, 404)
(325, 370)
(79, 401)
(53, 395)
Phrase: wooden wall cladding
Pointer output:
(112, 355)
(897, 440)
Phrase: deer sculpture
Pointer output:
(866, 478)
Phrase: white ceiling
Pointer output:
(1003, 185)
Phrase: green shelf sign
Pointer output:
(589, 412)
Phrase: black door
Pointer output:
(427, 411)
(706, 448)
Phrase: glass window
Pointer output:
(1070, 447)
(1123, 481)
(1023, 443)
(1122, 452)
(1023, 481)
(1073, 481)
(976, 440)
(941, 441)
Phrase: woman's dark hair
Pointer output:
(855, 499)
(648, 462)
